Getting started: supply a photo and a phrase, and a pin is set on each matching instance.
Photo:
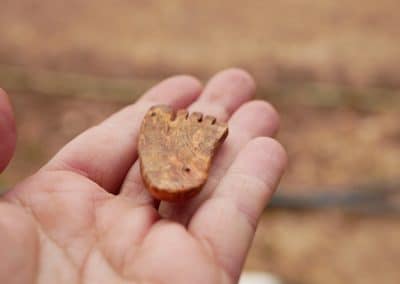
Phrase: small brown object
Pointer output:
(176, 150)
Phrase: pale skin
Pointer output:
(85, 216)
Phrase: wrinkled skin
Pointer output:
(85, 217)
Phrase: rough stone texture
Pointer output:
(176, 150)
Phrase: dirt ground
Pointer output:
(278, 40)
(330, 67)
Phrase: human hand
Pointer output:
(85, 217)
(7, 131)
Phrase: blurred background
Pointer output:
(331, 68)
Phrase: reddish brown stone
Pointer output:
(176, 150)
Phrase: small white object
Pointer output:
(258, 278)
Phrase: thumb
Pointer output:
(8, 134)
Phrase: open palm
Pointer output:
(85, 217)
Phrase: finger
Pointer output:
(105, 152)
(226, 222)
(8, 134)
(224, 93)
(253, 119)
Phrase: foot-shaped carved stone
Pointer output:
(175, 151)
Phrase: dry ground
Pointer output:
(330, 67)
(347, 41)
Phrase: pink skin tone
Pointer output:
(7, 131)
(85, 217)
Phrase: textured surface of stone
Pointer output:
(176, 150)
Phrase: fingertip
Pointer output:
(270, 151)
(179, 89)
(260, 115)
(269, 113)
(226, 91)
(188, 83)
(238, 76)
(7, 131)
(5, 106)
(189, 80)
